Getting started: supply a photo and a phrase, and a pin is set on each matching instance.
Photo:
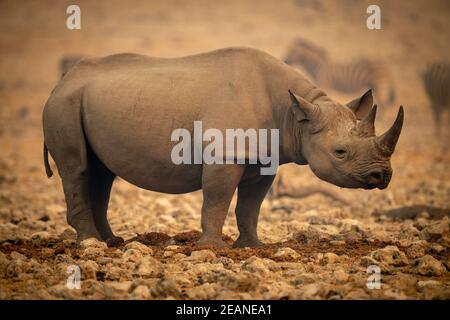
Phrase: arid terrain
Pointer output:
(317, 247)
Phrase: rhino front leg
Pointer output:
(219, 183)
(250, 198)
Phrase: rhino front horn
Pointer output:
(367, 125)
(389, 139)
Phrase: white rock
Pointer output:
(41, 235)
(226, 262)
(4, 261)
(141, 293)
(93, 243)
(64, 258)
(179, 256)
(390, 255)
(172, 248)
(89, 269)
(429, 266)
(142, 248)
(17, 256)
(92, 253)
(432, 289)
(132, 255)
(115, 273)
(340, 275)
(68, 234)
(421, 285)
(116, 289)
(148, 267)
(200, 256)
(330, 258)
(15, 268)
(417, 249)
(61, 291)
(310, 291)
(435, 230)
(287, 253)
(260, 266)
(204, 291)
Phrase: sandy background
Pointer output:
(331, 243)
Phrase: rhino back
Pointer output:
(132, 104)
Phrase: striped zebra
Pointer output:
(67, 62)
(354, 76)
(436, 81)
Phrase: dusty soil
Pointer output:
(316, 247)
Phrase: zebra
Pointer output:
(347, 77)
(436, 81)
(67, 62)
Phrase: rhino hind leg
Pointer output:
(100, 184)
(219, 183)
(65, 140)
(250, 198)
(79, 213)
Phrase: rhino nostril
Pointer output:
(376, 175)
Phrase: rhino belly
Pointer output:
(134, 141)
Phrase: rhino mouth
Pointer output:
(380, 185)
(369, 184)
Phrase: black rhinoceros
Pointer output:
(114, 116)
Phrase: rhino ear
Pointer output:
(302, 109)
(362, 105)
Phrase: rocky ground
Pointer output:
(316, 247)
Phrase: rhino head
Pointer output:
(339, 142)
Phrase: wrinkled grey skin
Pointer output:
(114, 116)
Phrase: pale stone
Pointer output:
(142, 248)
(200, 256)
(429, 266)
(287, 253)
(141, 292)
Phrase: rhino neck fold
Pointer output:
(283, 78)
(290, 130)
(290, 139)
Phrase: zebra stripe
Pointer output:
(436, 81)
(355, 76)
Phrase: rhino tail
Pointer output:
(48, 170)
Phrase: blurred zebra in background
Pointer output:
(354, 76)
(436, 81)
(67, 62)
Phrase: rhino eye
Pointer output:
(340, 153)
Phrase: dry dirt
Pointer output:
(317, 247)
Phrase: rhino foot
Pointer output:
(84, 236)
(86, 231)
(242, 243)
(214, 242)
(115, 242)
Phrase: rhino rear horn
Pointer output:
(367, 125)
(388, 140)
(361, 106)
